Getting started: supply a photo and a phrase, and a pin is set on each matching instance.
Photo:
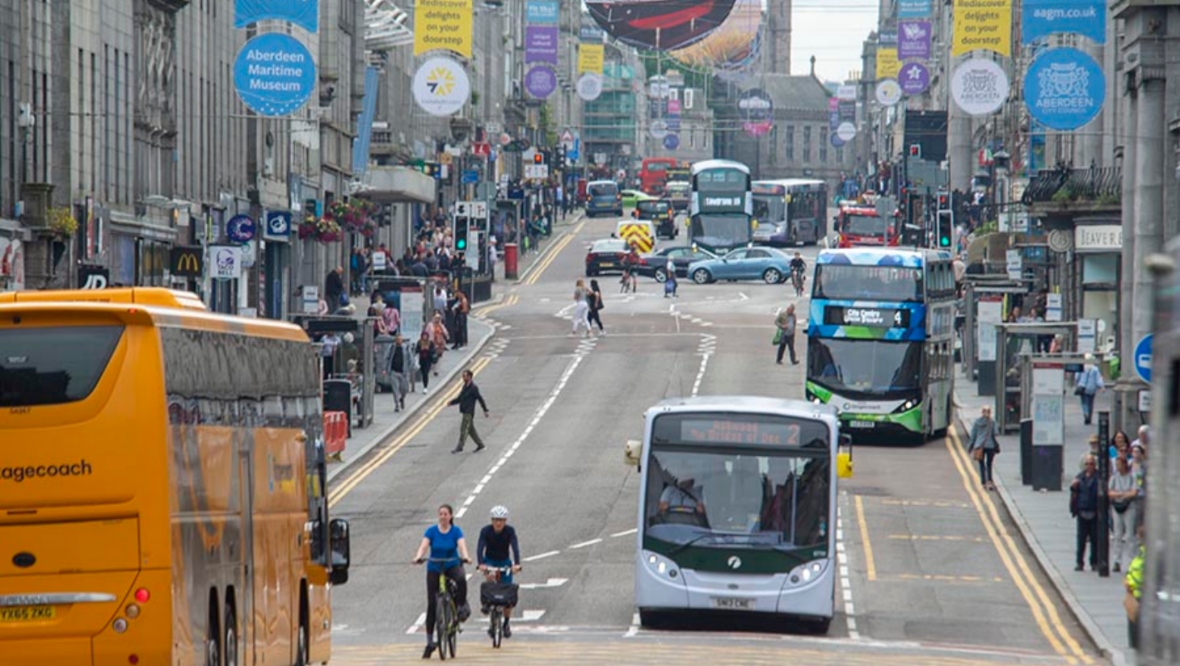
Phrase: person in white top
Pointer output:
(581, 309)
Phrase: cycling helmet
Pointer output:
(500, 511)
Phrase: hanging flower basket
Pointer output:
(357, 216)
(320, 229)
(61, 222)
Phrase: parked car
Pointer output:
(606, 256)
(661, 214)
(603, 196)
(745, 263)
(678, 192)
(656, 265)
(632, 197)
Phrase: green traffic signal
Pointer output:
(944, 241)
(461, 243)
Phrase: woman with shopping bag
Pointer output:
(984, 446)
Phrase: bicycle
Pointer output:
(797, 280)
(496, 599)
(446, 625)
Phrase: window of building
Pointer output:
(689, 97)
(790, 141)
(823, 144)
(807, 144)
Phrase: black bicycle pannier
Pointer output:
(498, 594)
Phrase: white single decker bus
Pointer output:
(737, 508)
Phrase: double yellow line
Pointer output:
(1044, 612)
(354, 479)
(509, 301)
(552, 254)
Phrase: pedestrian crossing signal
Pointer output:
(538, 158)
(461, 243)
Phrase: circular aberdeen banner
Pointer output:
(979, 86)
(756, 110)
(914, 78)
(1064, 89)
(846, 131)
(441, 86)
(540, 81)
(274, 74)
(589, 86)
(888, 92)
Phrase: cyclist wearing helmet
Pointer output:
(492, 551)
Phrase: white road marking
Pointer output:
(552, 582)
(585, 543)
(417, 624)
(743, 295)
(624, 533)
(634, 628)
(541, 556)
(845, 567)
(696, 385)
(529, 616)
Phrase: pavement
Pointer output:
(386, 421)
(1043, 520)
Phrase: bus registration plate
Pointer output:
(733, 603)
(861, 424)
(27, 613)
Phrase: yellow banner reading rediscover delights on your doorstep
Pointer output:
(442, 24)
(982, 25)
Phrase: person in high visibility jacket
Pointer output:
(1134, 585)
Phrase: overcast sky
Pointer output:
(834, 32)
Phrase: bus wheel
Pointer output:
(231, 637)
(213, 635)
(701, 276)
(301, 640)
(821, 626)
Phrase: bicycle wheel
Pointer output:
(442, 624)
(453, 630)
(497, 626)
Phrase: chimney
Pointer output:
(813, 66)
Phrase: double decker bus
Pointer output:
(1159, 610)
(163, 481)
(859, 225)
(653, 174)
(880, 339)
(737, 508)
(721, 208)
(792, 211)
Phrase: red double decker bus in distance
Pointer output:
(653, 174)
(861, 226)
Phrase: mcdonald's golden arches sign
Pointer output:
(187, 262)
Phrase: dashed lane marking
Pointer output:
(929, 537)
(541, 556)
(845, 566)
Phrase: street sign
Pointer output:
(481, 149)
(1143, 358)
(478, 209)
(470, 177)
(240, 228)
(567, 139)
(1015, 265)
(536, 171)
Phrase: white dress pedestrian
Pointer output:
(581, 312)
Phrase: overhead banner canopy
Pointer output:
(660, 25)
(982, 25)
(442, 24)
(734, 43)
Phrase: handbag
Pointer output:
(1121, 506)
(778, 337)
(1073, 502)
(977, 453)
(1079, 390)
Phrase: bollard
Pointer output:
(510, 261)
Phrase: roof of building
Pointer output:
(803, 93)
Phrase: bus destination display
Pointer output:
(728, 431)
(838, 315)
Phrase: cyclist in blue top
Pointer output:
(445, 542)
(492, 551)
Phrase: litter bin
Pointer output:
(1047, 467)
(338, 398)
(510, 261)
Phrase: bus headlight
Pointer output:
(805, 573)
(906, 406)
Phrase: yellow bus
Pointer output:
(162, 485)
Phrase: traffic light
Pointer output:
(943, 201)
(915, 151)
(538, 158)
(460, 234)
(946, 221)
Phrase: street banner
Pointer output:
(540, 81)
(756, 111)
(914, 78)
(274, 74)
(590, 57)
(887, 63)
(542, 12)
(979, 86)
(540, 44)
(982, 25)
(589, 86)
(912, 9)
(442, 24)
(303, 13)
(888, 92)
(1041, 18)
(1064, 89)
(913, 40)
(441, 86)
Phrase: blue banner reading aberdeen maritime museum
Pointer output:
(1041, 18)
(303, 13)
(274, 74)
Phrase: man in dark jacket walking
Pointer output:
(466, 400)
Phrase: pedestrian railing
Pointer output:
(1095, 185)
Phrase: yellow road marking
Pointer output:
(935, 503)
(870, 564)
(951, 579)
(440, 403)
(1049, 628)
(510, 300)
(557, 248)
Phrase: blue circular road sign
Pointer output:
(671, 141)
(274, 74)
(1064, 89)
(240, 229)
(1143, 358)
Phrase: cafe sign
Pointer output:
(1099, 238)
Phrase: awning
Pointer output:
(398, 184)
(125, 223)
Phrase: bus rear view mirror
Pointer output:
(341, 552)
(632, 452)
(844, 457)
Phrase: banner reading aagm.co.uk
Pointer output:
(303, 13)
(982, 25)
(442, 24)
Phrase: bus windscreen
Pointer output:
(865, 366)
(865, 225)
(868, 283)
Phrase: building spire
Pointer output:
(813, 66)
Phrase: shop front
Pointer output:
(276, 264)
(12, 256)
(139, 251)
(1098, 246)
